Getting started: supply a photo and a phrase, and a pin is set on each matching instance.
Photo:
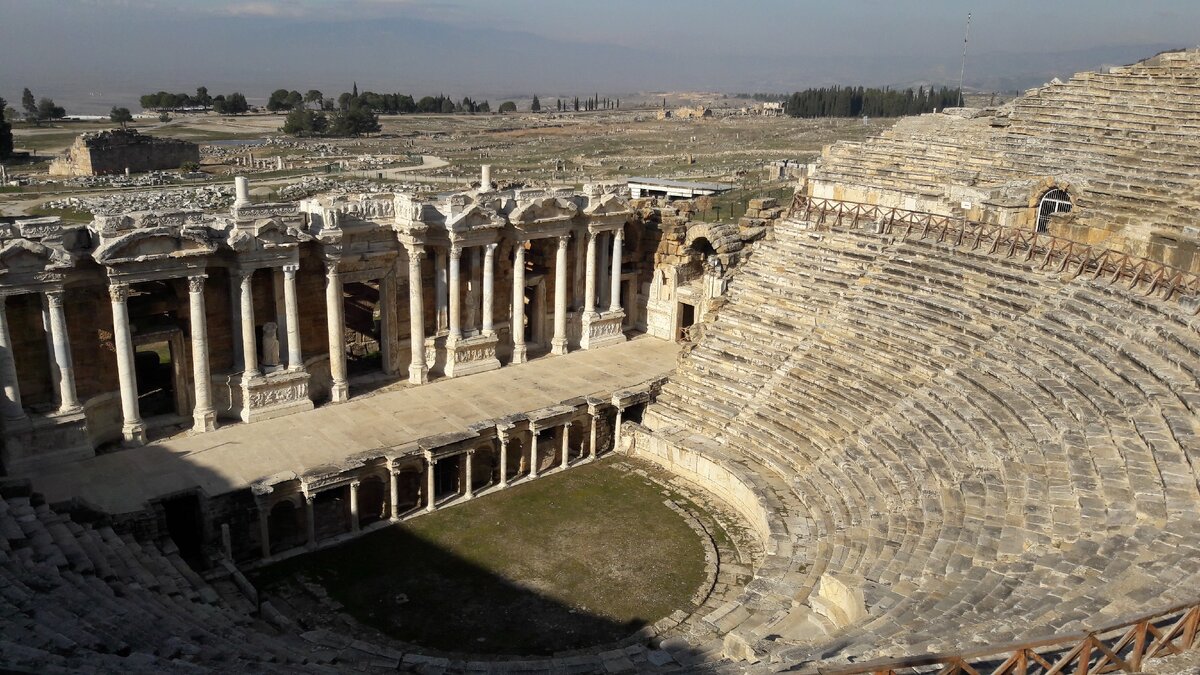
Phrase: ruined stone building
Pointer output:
(951, 396)
(116, 151)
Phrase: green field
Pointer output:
(570, 560)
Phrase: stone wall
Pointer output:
(120, 150)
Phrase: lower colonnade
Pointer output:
(327, 505)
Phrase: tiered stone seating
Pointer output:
(999, 453)
(1115, 132)
(74, 598)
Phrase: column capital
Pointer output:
(470, 452)
(456, 250)
(619, 233)
(54, 298)
(290, 269)
(592, 236)
(119, 292)
(196, 283)
(491, 248)
(415, 251)
(563, 239)
(244, 273)
(310, 497)
(355, 484)
(567, 424)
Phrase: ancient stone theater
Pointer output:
(951, 392)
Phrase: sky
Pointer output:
(93, 53)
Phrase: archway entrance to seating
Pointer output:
(286, 526)
(185, 526)
(1053, 202)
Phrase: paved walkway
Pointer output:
(233, 457)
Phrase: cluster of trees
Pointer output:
(355, 119)
(226, 104)
(593, 103)
(764, 98)
(6, 135)
(40, 110)
(855, 102)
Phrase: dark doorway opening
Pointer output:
(446, 481)
(185, 526)
(155, 379)
(687, 318)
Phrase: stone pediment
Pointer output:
(476, 217)
(158, 243)
(25, 256)
(544, 210)
(609, 205)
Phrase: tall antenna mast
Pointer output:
(963, 70)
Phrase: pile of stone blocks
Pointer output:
(761, 215)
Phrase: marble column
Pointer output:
(504, 460)
(249, 340)
(589, 278)
(455, 293)
(430, 463)
(617, 430)
(489, 273)
(603, 267)
(566, 444)
(439, 289)
(518, 303)
(204, 418)
(387, 328)
(12, 409)
(295, 357)
(533, 451)
(469, 489)
(394, 484)
(68, 401)
(264, 530)
(235, 318)
(558, 343)
(133, 430)
(614, 293)
(335, 312)
(418, 371)
(354, 524)
(592, 435)
(310, 519)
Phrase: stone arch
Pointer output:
(1053, 201)
(485, 466)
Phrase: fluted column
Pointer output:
(68, 401)
(558, 343)
(430, 463)
(132, 429)
(12, 409)
(489, 272)
(614, 299)
(335, 313)
(204, 418)
(617, 430)
(295, 357)
(455, 293)
(354, 524)
(566, 444)
(518, 303)
(417, 369)
(589, 279)
(249, 341)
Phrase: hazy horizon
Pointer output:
(91, 54)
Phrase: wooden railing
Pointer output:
(1120, 647)
(1070, 256)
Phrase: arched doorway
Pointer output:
(1054, 201)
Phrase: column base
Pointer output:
(339, 392)
(204, 421)
(133, 435)
(602, 329)
(418, 374)
(519, 354)
(558, 346)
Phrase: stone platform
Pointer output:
(238, 455)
